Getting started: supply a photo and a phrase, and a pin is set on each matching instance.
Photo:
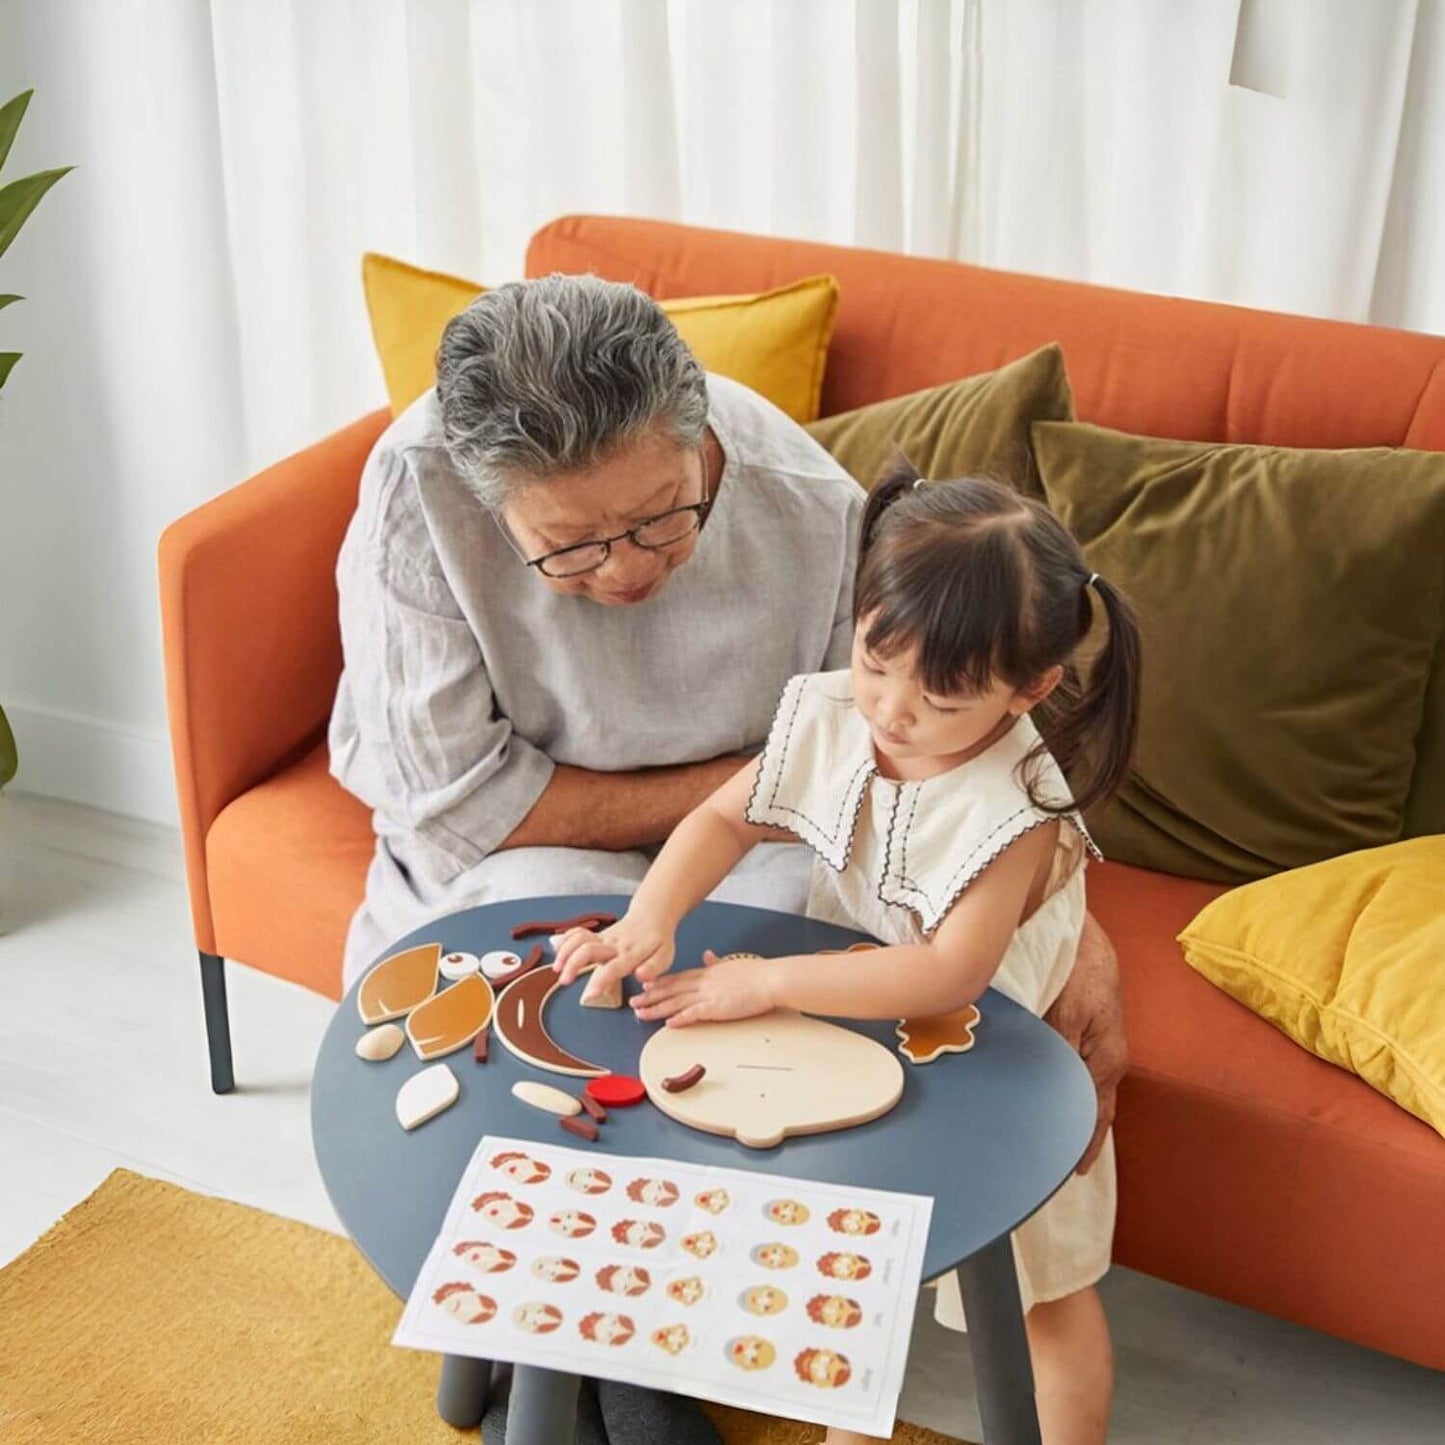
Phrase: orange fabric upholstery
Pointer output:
(1253, 1170)
(1194, 370)
(287, 863)
(1248, 1168)
(251, 638)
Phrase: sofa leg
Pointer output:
(218, 1024)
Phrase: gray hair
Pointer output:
(539, 377)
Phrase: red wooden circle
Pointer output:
(616, 1091)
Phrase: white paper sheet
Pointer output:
(779, 1295)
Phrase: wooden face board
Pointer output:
(768, 1077)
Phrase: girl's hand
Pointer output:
(633, 945)
(734, 988)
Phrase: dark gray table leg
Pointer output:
(542, 1408)
(463, 1389)
(999, 1346)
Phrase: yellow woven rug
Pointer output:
(153, 1316)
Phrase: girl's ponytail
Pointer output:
(898, 481)
(1099, 729)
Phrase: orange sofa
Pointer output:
(1248, 1168)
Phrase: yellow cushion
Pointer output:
(775, 342)
(1347, 957)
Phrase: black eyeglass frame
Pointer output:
(699, 510)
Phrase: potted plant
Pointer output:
(18, 199)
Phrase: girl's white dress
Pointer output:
(891, 859)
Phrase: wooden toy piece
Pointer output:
(425, 1095)
(608, 995)
(525, 965)
(616, 1091)
(592, 921)
(499, 963)
(582, 1128)
(399, 983)
(381, 1043)
(923, 1040)
(598, 1113)
(479, 1047)
(682, 1082)
(452, 1019)
(544, 1096)
(521, 1026)
(456, 966)
(768, 1077)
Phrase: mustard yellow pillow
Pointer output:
(775, 342)
(1347, 957)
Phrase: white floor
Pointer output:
(103, 1065)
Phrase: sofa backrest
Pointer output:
(1153, 365)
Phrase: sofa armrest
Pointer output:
(250, 634)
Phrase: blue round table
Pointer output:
(989, 1134)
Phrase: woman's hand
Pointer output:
(635, 944)
(1089, 1013)
(734, 988)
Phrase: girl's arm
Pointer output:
(703, 849)
(950, 970)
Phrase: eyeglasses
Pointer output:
(653, 534)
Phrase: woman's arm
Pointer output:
(950, 970)
(703, 849)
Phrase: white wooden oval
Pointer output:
(425, 1095)
(380, 1043)
(768, 1077)
(544, 1096)
(457, 966)
(494, 964)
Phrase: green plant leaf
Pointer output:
(9, 757)
(7, 363)
(6, 300)
(11, 114)
(19, 198)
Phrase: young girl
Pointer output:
(943, 826)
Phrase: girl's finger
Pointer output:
(649, 1008)
(652, 968)
(693, 1014)
(584, 954)
(708, 958)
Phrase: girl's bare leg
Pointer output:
(1073, 1362)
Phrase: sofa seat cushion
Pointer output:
(286, 866)
(1244, 1160)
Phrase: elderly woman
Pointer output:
(579, 574)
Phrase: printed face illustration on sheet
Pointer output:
(572, 1224)
(826, 1369)
(502, 1210)
(555, 1268)
(589, 1181)
(672, 1338)
(836, 1311)
(484, 1256)
(639, 1233)
(686, 1291)
(657, 1193)
(713, 1200)
(465, 1304)
(786, 1211)
(854, 1221)
(842, 1265)
(606, 1329)
(537, 1317)
(702, 1245)
(764, 1299)
(521, 1168)
(775, 1256)
(627, 1279)
(751, 1352)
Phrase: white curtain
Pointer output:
(194, 304)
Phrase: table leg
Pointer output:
(463, 1389)
(542, 1408)
(999, 1346)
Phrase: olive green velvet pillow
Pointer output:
(1290, 603)
(979, 424)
